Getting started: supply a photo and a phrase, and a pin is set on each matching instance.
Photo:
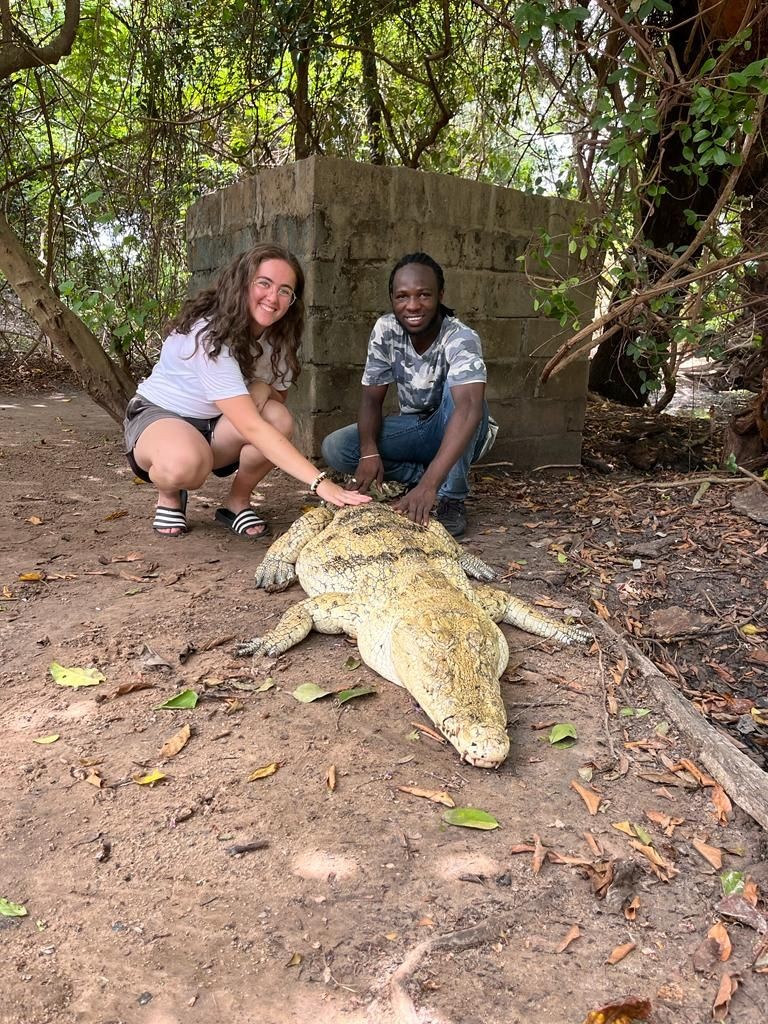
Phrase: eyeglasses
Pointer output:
(284, 291)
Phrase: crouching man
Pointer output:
(443, 426)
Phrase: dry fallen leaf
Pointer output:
(711, 854)
(124, 688)
(661, 867)
(750, 891)
(149, 780)
(573, 933)
(687, 765)
(664, 821)
(594, 844)
(35, 520)
(263, 772)
(625, 827)
(539, 854)
(591, 797)
(330, 778)
(429, 732)
(719, 933)
(728, 985)
(620, 952)
(177, 742)
(723, 806)
(435, 795)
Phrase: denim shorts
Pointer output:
(140, 413)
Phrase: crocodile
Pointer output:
(401, 590)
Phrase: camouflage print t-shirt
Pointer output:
(455, 356)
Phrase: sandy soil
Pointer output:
(138, 908)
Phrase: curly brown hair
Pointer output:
(224, 307)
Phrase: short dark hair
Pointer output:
(424, 261)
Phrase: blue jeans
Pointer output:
(407, 444)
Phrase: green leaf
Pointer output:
(645, 837)
(358, 691)
(308, 692)
(352, 663)
(562, 557)
(732, 882)
(470, 817)
(634, 712)
(8, 909)
(75, 677)
(185, 700)
(563, 735)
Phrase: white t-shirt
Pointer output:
(187, 381)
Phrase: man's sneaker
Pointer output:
(450, 512)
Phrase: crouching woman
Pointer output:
(215, 400)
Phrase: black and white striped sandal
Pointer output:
(171, 518)
(239, 523)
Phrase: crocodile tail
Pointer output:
(520, 614)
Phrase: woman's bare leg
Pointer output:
(176, 457)
(229, 446)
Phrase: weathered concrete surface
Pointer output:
(348, 224)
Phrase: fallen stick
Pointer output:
(689, 482)
(753, 476)
(740, 777)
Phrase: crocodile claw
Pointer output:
(245, 650)
(274, 575)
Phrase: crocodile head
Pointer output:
(450, 661)
(484, 746)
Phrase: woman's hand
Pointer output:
(335, 495)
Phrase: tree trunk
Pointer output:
(106, 383)
(301, 56)
(613, 372)
(373, 113)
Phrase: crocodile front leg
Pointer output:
(326, 613)
(277, 571)
(503, 607)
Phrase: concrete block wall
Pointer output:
(348, 224)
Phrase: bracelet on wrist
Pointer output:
(375, 455)
(316, 482)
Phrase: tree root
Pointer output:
(403, 1010)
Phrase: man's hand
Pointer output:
(367, 471)
(417, 504)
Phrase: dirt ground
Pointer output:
(360, 904)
